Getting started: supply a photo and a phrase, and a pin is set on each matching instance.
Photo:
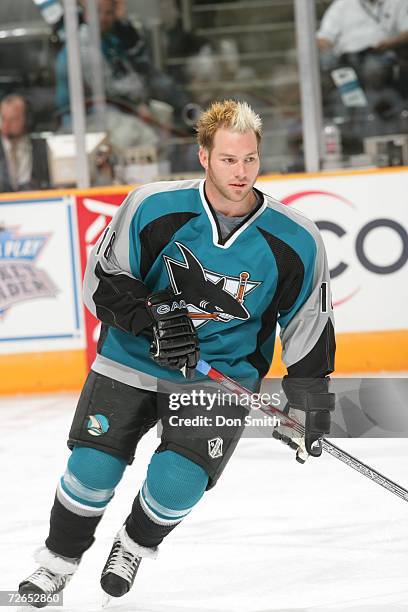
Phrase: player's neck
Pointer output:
(228, 207)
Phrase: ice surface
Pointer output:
(271, 536)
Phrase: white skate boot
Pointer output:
(49, 579)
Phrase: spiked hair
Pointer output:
(235, 116)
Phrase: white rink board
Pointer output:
(40, 286)
(365, 298)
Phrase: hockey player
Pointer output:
(197, 265)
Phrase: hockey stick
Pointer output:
(327, 446)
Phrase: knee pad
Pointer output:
(173, 486)
(91, 477)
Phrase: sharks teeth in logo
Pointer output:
(210, 295)
(97, 424)
(215, 447)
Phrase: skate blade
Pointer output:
(106, 600)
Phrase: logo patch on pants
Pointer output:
(97, 424)
(215, 448)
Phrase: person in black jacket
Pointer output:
(23, 159)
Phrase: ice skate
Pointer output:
(122, 565)
(49, 579)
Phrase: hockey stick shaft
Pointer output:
(327, 446)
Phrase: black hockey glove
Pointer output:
(311, 408)
(175, 342)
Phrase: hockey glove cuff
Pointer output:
(314, 415)
(175, 341)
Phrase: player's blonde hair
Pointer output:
(235, 116)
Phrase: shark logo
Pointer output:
(97, 424)
(210, 296)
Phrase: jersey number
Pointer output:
(324, 298)
(108, 250)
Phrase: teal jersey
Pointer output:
(270, 270)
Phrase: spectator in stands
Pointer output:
(122, 82)
(23, 159)
(351, 30)
(350, 26)
(371, 37)
(131, 82)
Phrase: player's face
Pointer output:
(232, 165)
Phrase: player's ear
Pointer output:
(203, 157)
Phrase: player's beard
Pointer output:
(226, 193)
